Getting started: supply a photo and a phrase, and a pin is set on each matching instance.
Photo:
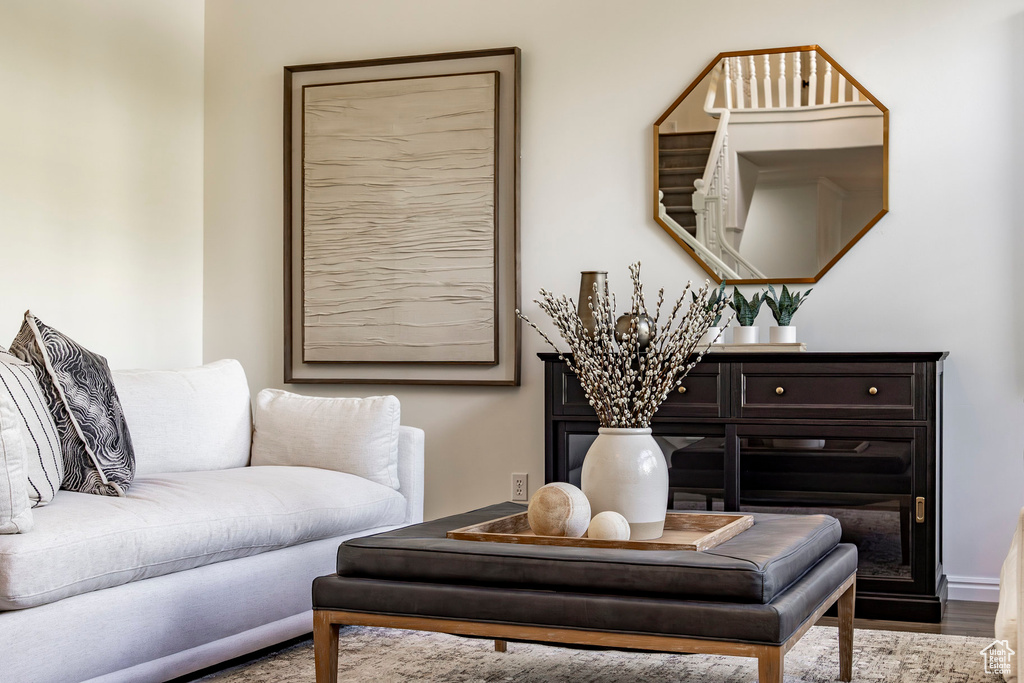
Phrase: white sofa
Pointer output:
(204, 560)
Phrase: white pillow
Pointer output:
(188, 420)
(15, 507)
(354, 435)
(43, 464)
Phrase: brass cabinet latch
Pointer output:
(920, 509)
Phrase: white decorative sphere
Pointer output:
(559, 509)
(609, 526)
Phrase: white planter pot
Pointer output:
(782, 335)
(714, 335)
(625, 471)
(745, 335)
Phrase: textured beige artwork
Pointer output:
(399, 228)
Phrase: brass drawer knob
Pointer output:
(872, 391)
(779, 391)
(682, 390)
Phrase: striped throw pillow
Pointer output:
(23, 397)
(15, 506)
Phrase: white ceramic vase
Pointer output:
(712, 336)
(782, 335)
(745, 335)
(625, 471)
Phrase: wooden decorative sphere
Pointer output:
(609, 526)
(559, 509)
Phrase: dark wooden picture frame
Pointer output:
(306, 360)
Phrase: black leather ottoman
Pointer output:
(754, 595)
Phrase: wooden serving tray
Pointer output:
(683, 531)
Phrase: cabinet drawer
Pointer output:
(854, 391)
(705, 387)
(700, 394)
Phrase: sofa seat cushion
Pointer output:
(173, 522)
(753, 567)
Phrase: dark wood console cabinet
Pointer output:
(854, 435)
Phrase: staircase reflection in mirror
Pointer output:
(771, 165)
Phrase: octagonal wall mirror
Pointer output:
(771, 165)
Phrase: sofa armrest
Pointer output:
(1010, 613)
(410, 472)
(1018, 546)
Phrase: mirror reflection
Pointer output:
(771, 165)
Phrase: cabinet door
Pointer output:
(869, 478)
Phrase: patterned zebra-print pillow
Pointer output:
(94, 438)
(44, 464)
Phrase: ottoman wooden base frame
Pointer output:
(770, 657)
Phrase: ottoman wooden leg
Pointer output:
(500, 645)
(770, 665)
(325, 647)
(846, 604)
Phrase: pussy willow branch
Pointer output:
(624, 383)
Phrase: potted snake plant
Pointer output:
(746, 314)
(783, 306)
(713, 304)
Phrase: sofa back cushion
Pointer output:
(354, 435)
(187, 420)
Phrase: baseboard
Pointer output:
(974, 588)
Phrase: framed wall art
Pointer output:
(401, 194)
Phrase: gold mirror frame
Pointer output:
(845, 248)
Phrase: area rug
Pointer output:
(374, 654)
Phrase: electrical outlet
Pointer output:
(519, 487)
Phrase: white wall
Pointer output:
(101, 163)
(689, 115)
(936, 274)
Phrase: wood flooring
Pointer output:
(961, 618)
